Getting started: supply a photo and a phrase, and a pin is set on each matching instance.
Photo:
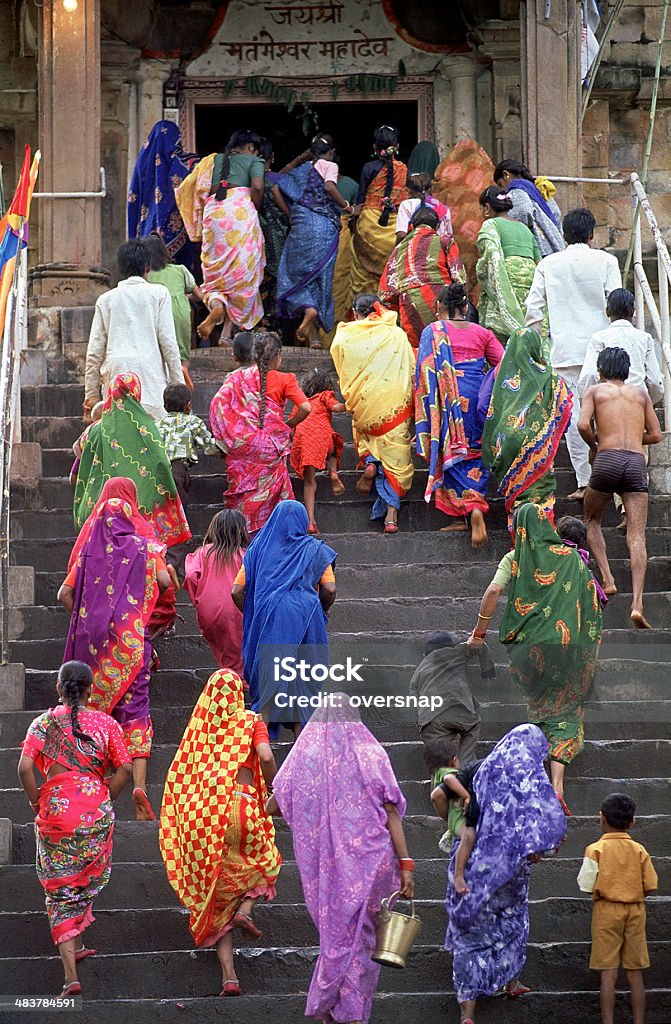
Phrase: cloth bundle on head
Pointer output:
(199, 790)
(424, 158)
(126, 440)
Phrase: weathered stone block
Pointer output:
(33, 367)
(12, 687)
(595, 151)
(5, 841)
(76, 324)
(26, 461)
(629, 25)
(21, 585)
(659, 470)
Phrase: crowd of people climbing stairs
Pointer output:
(484, 405)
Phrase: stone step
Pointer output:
(431, 1007)
(599, 758)
(584, 796)
(138, 841)
(192, 973)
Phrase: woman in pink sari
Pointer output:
(338, 793)
(247, 421)
(210, 574)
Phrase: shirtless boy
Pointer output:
(616, 420)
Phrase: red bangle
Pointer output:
(406, 864)
(480, 636)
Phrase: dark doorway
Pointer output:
(351, 123)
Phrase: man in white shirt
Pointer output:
(573, 286)
(133, 331)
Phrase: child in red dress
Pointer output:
(316, 445)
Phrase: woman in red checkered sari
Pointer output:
(216, 840)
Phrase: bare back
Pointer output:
(619, 416)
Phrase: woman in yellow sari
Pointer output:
(375, 366)
(216, 840)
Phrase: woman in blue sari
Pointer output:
(160, 167)
(305, 273)
(452, 362)
(519, 819)
(284, 589)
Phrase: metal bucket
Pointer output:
(396, 933)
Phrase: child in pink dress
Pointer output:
(316, 445)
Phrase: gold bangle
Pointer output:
(485, 618)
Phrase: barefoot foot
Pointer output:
(460, 886)
(478, 529)
(364, 484)
(143, 809)
(576, 495)
(205, 329)
(639, 620)
(610, 589)
(337, 486)
(304, 332)
(455, 528)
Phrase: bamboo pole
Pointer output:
(651, 129)
(614, 15)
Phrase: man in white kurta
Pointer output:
(133, 331)
(573, 286)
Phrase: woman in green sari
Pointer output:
(508, 256)
(529, 410)
(552, 627)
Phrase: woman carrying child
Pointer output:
(453, 799)
(210, 572)
(316, 445)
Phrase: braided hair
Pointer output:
(500, 202)
(321, 145)
(420, 182)
(452, 298)
(74, 678)
(243, 137)
(264, 350)
(385, 142)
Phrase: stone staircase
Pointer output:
(391, 591)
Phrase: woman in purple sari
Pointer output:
(305, 273)
(339, 795)
(520, 818)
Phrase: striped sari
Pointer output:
(417, 270)
(216, 840)
(504, 283)
(371, 242)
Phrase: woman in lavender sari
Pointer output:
(339, 795)
(520, 818)
(305, 273)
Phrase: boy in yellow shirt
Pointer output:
(619, 874)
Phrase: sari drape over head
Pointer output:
(529, 411)
(216, 840)
(282, 613)
(305, 274)
(256, 457)
(519, 816)
(551, 627)
(126, 442)
(371, 241)
(159, 170)
(375, 365)
(447, 426)
(540, 215)
(417, 270)
(75, 820)
(331, 789)
(504, 283)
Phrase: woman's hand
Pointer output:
(407, 884)
(475, 642)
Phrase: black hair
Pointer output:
(573, 529)
(513, 167)
(265, 148)
(439, 753)
(321, 145)
(619, 810)
(158, 251)
(385, 141)
(621, 304)
(492, 196)
(75, 677)
(452, 298)
(264, 349)
(133, 259)
(578, 225)
(243, 137)
(364, 304)
(316, 381)
(420, 182)
(176, 397)
(613, 363)
(438, 640)
(227, 533)
(426, 217)
(242, 346)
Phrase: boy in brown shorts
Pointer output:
(619, 874)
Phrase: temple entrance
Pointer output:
(351, 123)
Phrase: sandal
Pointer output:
(246, 925)
(517, 991)
(563, 805)
(313, 529)
(73, 989)
(143, 809)
(390, 528)
(231, 988)
(81, 954)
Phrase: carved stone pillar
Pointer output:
(69, 89)
(551, 91)
(462, 73)
(501, 45)
(151, 76)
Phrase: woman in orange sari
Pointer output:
(381, 190)
(216, 840)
